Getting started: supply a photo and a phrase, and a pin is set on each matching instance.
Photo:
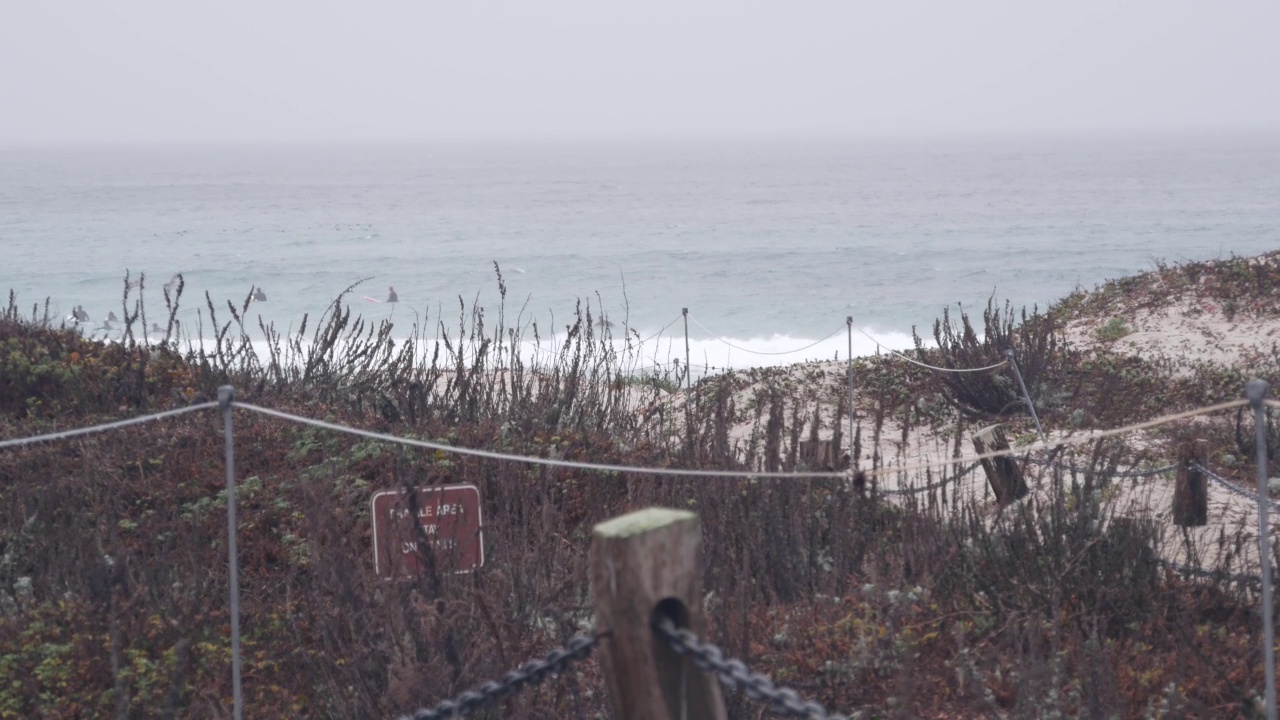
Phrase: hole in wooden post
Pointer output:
(672, 668)
(673, 609)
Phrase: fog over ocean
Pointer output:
(770, 245)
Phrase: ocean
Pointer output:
(770, 245)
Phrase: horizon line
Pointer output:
(677, 138)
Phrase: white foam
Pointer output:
(706, 355)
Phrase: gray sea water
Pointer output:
(770, 245)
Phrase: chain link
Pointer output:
(1141, 473)
(530, 673)
(734, 673)
(1232, 487)
(1117, 473)
(1210, 574)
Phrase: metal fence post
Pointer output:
(688, 369)
(853, 461)
(1013, 363)
(1256, 392)
(226, 395)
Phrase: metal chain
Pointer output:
(1232, 487)
(1141, 473)
(1210, 574)
(530, 673)
(734, 673)
(1118, 473)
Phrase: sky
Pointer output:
(288, 71)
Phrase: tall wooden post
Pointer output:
(641, 564)
(1191, 493)
(1002, 472)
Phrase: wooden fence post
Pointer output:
(817, 455)
(641, 564)
(1191, 493)
(1002, 472)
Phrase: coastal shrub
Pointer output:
(1113, 330)
(1034, 340)
(48, 371)
(1018, 564)
(113, 548)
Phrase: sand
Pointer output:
(1187, 332)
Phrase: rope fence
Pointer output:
(1075, 440)
(891, 351)
(629, 469)
(105, 427)
(932, 486)
(674, 320)
(813, 344)
(730, 672)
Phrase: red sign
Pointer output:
(431, 525)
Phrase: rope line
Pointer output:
(891, 351)
(630, 469)
(765, 352)
(1076, 440)
(934, 486)
(677, 364)
(602, 467)
(104, 427)
(551, 462)
(664, 329)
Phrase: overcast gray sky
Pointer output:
(76, 71)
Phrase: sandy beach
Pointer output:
(1190, 330)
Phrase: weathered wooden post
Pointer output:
(641, 564)
(817, 455)
(1191, 493)
(1002, 472)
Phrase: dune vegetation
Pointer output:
(933, 604)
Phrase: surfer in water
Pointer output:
(392, 297)
(258, 295)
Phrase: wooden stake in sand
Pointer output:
(1002, 472)
(1191, 493)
